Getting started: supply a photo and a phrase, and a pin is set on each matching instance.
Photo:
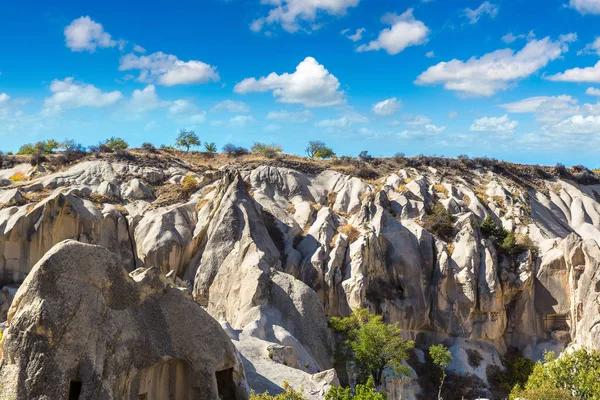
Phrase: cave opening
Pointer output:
(74, 389)
(225, 385)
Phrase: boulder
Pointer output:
(81, 326)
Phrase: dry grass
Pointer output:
(189, 185)
(351, 232)
(467, 200)
(315, 206)
(481, 195)
(408, 180)
(450, 248)
(333, 240)
(556, 188)
(331, 197)
(201, 204)
(18, 177)
(291, 209)
(440, 189)
(499, 200)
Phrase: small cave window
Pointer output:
(74, 389)
(225, 384)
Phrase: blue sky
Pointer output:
(514, 80)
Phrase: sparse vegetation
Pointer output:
(234, 151)
(288, 394)
(440, 189)
(365, 156)
(18, 177)
(350, 231)
(210, 148)
(189, 185)
(148, 147)
(267, 150)
(116, 143)
(318, 149)
(474, 357)
(373, 345)
(186, 139)
(439, 222)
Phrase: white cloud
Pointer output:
(387, 108)
(355, 37)
(419, 120)
(430, 54)
(495, 71)
(452, 114)
(587, 74)
(185, 112)
(168, 70)
(485, 8)
(139, 49)
(344, 122)
(591, 48)
(421, 131)
(293, 15)
(311, 85)
(231, 106)
(579, 124)
(4, 97)
(494, 124)
(405, 31)
(586, 6)
(592, 91)
(70, 94)
(540, 103)
(290, 116)
(239, 121)
(83, 34)
(143, 101)
(510, 38)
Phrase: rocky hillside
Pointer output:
(486, 257)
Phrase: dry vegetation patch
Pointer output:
(350, 231)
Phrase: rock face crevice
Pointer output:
(80, 320)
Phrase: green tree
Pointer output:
(441, 357)
(318, 149)
(576, 374)
(375, 346)
(363, 392)
(267, 150)
(187, 139)
(116, 143)
(210, 148)
(50, 145)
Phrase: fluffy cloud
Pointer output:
(185, 112)
(495, 71)
(405, 31)
(540, 104)
(355, 37)
(590, 91)
(71, 94)
(579, 124)
(494, 124)
(239, 121)
(486, 8)
(311, 85)
(418, 120)
(430, 54)
(168, 70)
(143, 101)
(139, 49)
(231, 106)
(421, 132)
(4, 97)
(591, 48)
(587, 74)
(290, 116)
(387, 108)
(83, 34)
(586, 6)
(293, 15)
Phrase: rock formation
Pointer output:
(80, 324)
(271, 251)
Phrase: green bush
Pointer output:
(116, 143)
(318, 149)
(574, 375)
(504, 240)
(288, 394)
(439, 222)
(363, 392)
(267, 150)
(373, 345)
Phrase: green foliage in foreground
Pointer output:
(373, 344)
(573, 376)
(363, 392)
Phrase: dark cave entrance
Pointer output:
(74, 389)
(225, 384)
